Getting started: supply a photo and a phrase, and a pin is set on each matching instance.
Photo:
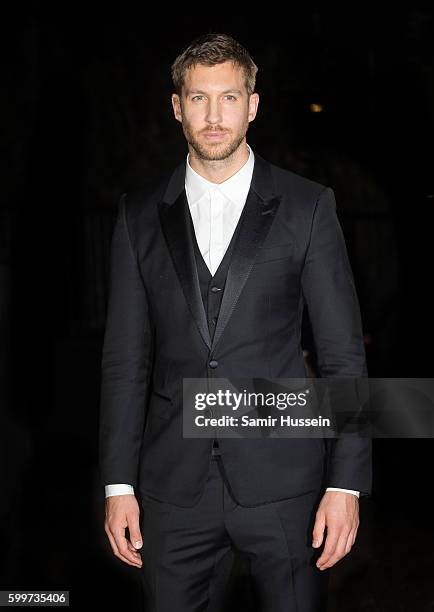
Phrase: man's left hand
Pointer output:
(339, 512)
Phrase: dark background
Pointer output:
(86, 115)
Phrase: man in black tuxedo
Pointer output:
(211, 268)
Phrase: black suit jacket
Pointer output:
(290, 252)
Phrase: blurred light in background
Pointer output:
(316, 108)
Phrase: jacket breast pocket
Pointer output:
(274, 253)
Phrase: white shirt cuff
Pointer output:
(118, 489)
(356, 493)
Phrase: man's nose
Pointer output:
(213, 112)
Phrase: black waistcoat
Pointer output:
(211, 287)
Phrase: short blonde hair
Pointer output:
(210, 49)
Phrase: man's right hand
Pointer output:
(122, 511)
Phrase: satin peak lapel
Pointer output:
(177, 231)
(258, 216)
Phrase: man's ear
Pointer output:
(253, 105)
(176, 104)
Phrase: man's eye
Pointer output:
(230, 96)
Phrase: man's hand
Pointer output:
(339, 512)
(122, 511)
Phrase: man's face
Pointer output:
(215, 109)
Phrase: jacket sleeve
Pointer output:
(334, 313)
(126, 362)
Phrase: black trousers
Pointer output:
(188, 552)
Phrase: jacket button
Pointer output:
(213, 363)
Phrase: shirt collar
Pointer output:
(235, 187)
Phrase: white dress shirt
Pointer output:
(215, 210)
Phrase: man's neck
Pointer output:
(218, 171)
